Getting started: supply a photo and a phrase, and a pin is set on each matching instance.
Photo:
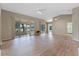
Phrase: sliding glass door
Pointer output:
(24, 29)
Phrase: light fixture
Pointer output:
(39, 12)
(55, 19)
(50, 20)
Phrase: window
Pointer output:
(42, 27)
(28, 27)
(32, 27)
(17, 26)
(69, 28)
(50, 27)
(25, 27)
(21, 27)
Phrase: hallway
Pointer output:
(43, 45)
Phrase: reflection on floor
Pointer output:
(43, 45)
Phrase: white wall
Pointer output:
(60, 25)
(0, 31)
(0, 25)
(8, 23)
(75, 20)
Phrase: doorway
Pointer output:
(50, 27)
(42, 28)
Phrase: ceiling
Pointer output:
(49, 10)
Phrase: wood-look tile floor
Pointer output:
(43, 45)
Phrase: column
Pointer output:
(75, 22)
(37, 26)
(46, 27)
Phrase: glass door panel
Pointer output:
(28, 29)
(32, 28)
(17, 27)
(25, 29)
(42, 28)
